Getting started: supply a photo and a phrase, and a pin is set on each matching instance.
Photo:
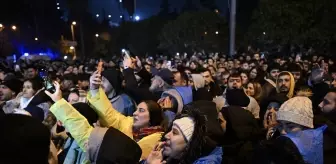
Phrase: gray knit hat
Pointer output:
(297, 110)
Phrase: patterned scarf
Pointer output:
(143, 132)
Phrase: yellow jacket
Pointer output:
(109, 117)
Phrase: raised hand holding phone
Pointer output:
(58, 93)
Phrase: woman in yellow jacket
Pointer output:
(145, 127)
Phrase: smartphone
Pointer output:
(48, 84)
(169, 64)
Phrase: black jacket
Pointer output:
(141, 92)
(329, 136)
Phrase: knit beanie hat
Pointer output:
(186, 125)
(237, 97)
(273, 66)
(13, 84)
(297, 110)
(114, 77)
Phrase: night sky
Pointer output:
(145, 8)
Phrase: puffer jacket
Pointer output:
(109, 117)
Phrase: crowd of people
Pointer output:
(192, 108)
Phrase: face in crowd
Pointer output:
(274, 73)
(141, 116)
(250, 89)
(6, 94)
(328, 105)
(235, 82)
(284, 83)
(28, 91)
(207, 77)
(31, 73)
(286, 127)
(245, 78)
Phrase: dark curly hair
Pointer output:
(197, 145)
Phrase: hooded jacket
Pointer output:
(181, 96)
(109, 117)
(329, 136)
(290, 93)
(120, 101)
(101, 145)
(215, 157)
(310, 144)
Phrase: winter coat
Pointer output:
(109, 117)
(99, 144)
(329, 136)
(242, 135)
(215, 157)
(123, 104)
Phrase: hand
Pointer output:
(95, 80)
(270, 118)
(138, 63)
(128, 63)
(155, 157)
(165, 103)
(58, 93)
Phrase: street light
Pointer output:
(97, 15)
(1, 26)
(14, 27)
(216, 32)
(121, 16)
(65, 57)
(74, 23)
(264, 33)
(57, 4)
(58, 8)
(205, 32)
(137, 18)
(36, 39)
(97, 35)
(120, 1)
(109, 16)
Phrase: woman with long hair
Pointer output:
(186, 141)
(254, 90)
(146, 126)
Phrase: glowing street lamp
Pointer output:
(58, 8)
(217, 32)
(65, 57)
(14, 27)
(137, 18)
(1, 26)
(36, 39)
(121, 16)
(264, 33)
(97, 35)
(74, 23)
(97, 15)
(109, 16)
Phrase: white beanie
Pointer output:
(297, 110)
(186, 125)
